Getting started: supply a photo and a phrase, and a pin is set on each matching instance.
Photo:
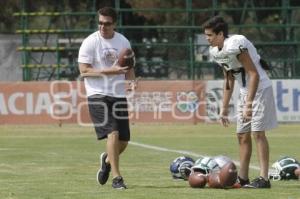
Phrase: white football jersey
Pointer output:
(227, 59)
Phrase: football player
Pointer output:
(256, 112)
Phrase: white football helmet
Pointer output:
(205, 165)
(283, 169)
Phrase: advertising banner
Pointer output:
(153, 101)
(42, 102)
(286, 94)
(287, 99)
(65, 102)
(168, 101)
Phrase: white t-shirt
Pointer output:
(102, 53)
(227, 59)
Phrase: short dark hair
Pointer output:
(108, 11)
(217, 24)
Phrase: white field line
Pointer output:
(7, 149)
(157, 148)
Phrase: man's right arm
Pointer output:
(228, 87)
(227, 93)
(86, 70)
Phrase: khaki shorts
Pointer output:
(263, 114)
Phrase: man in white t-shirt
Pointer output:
(105, 87)
(256, 111)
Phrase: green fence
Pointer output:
(167, 39)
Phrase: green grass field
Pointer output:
(51, 162)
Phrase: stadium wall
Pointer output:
(155, 101)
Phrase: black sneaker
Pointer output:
(103, 172)
(118, 183)
(259, 182)
(240, 182)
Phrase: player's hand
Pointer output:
(117, 69)
(247, 113)
(224, 117)
(133, 84)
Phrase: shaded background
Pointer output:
(39, 40)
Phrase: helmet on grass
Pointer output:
(284, 168)
(180, 168)
(205, 165)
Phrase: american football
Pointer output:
(197, 180)
(228, 175)
(126, 58)
(214, 180)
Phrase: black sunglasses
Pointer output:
(102, 23)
